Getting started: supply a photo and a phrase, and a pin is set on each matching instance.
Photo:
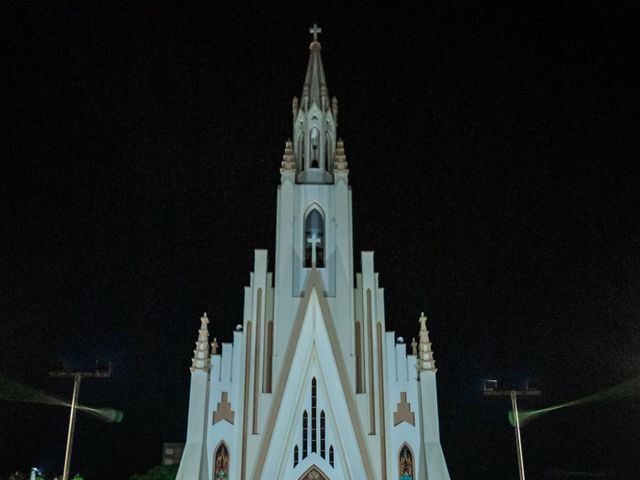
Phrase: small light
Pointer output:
(490, 385)
(238, 328)
(400, 340)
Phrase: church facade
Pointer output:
(312, 385)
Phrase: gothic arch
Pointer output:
(315, 158)
(314, 206)
(314, 242)
(221, 461)
(313, 473)
(406, 463)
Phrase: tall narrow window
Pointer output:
(314, 138)
(296, 459)
(314, 418)
(305, 433)
(268, 358)
(301, 149)
(331, 455)
(405, 463)
(327, 151)
(314, 240)
(322, 438)
(221, 463)
(359, 382)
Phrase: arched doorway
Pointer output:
(313, 474)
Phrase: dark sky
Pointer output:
(493, 153)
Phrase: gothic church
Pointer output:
(312, 385)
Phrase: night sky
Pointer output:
(493, 152)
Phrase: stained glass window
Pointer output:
(405, 463)
(221, 463)
(322, 430)
(305, 433)
(314, 418)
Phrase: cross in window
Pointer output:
(315, 30)
(314, 240)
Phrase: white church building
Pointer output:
(313, 386)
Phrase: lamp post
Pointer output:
(491, 390)
(77, 377)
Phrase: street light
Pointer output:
(77, 376)
(530, 390)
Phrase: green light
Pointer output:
(109, 415)
(12, 391)
(624, 389)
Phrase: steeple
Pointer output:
(426, 361)
(201, 353)
(315, 83)
(314, 122)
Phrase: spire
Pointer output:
(425, 355)
(201, 353)
(315, 83)
(313, 146)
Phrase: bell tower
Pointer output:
(314, 203)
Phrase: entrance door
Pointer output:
(314, 474)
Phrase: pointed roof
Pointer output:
(201, 353)
(426, 361)
(315, 83)
(308, 331)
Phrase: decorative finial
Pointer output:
(340, 162)
(315, 30)
(288, 162)
(414, 346)
(201, 353)
(425, 358)
(214, 346)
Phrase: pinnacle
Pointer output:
(426, 361)
(201, 355)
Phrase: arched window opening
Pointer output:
(405, 463)
(331, 455)
(305, 433)
(314, 138)
(221, 463)
(296, 460)
(322, 437)
(314, 240)
(314, 418)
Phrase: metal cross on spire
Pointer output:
(315, 30)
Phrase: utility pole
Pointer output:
(491, 390)
(77, 377)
